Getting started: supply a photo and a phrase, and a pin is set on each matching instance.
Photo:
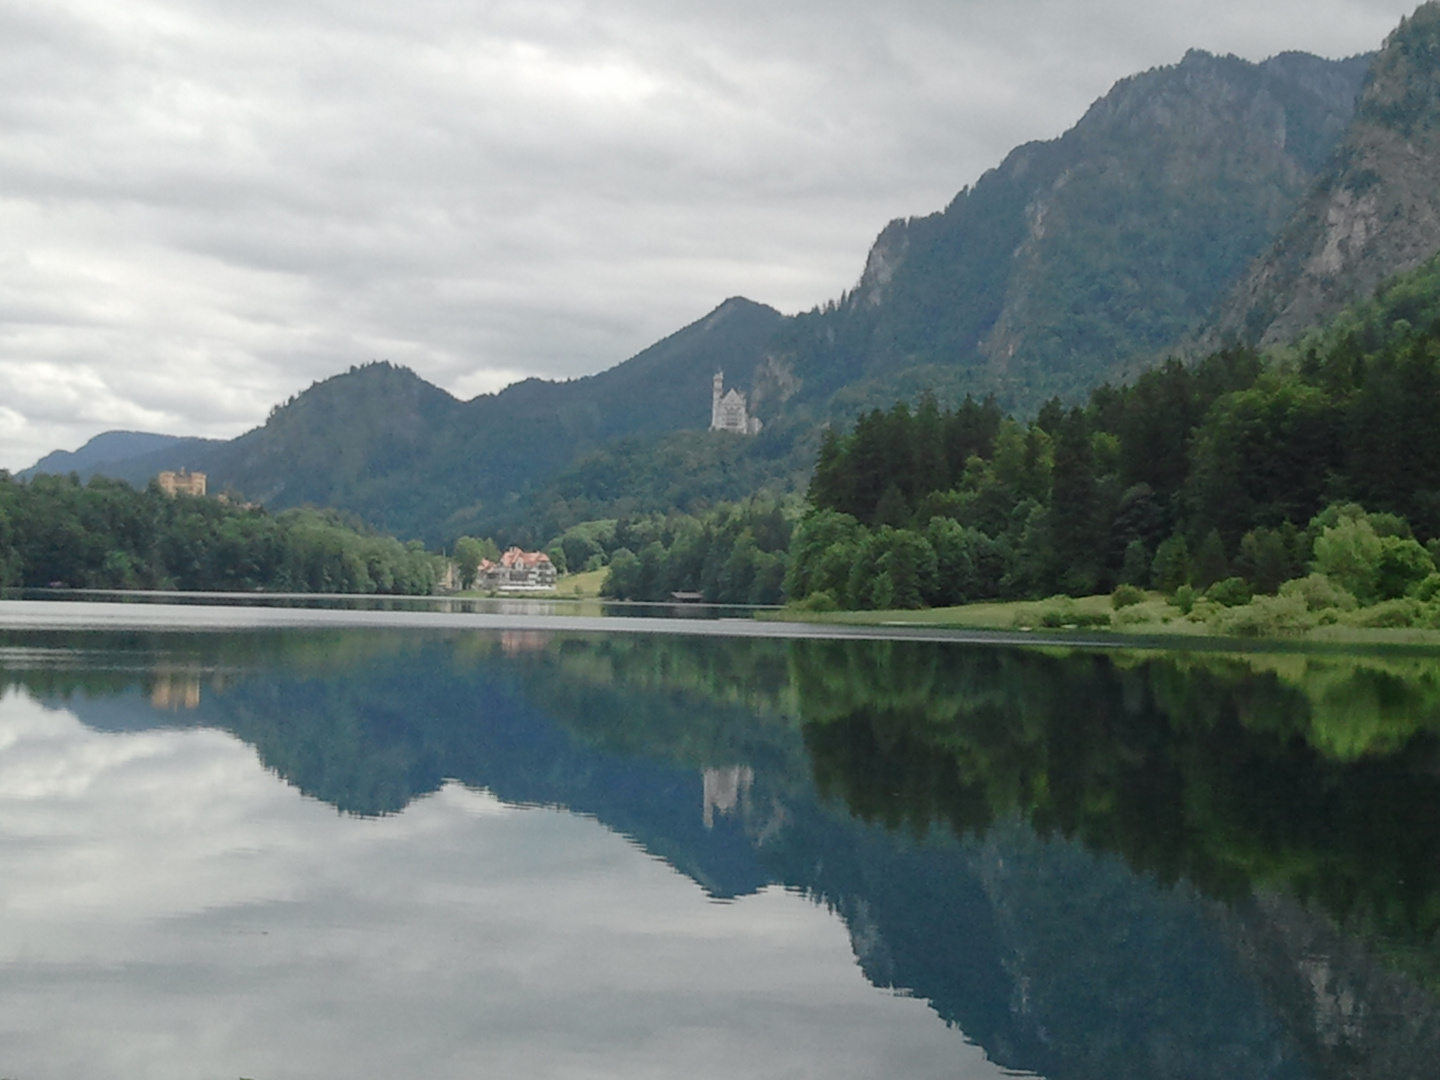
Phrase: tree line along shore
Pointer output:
(1246, 493)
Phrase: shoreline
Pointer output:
(928, 626)
(1175, 631)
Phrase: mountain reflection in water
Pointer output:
(1091, 865)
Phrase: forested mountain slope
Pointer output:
(381, 442)
(1112, 241)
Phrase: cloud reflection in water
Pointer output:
(174, 910)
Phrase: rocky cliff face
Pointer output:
(1375, 213)
(1179, 176)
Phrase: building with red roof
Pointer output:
(517, 569)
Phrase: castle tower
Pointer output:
(728, 411)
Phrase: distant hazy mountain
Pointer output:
(128, 455)
(1375, 213)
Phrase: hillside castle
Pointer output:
(182, 483)
(728, 411)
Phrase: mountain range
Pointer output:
(1207, 203)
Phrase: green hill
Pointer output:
(382, 443)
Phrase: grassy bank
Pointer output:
(586, 585)
(1154, 616)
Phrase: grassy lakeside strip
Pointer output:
(1153, 617)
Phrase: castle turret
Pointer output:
(715, 400)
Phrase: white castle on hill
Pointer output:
(728, 411)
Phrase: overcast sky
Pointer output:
(208, 206)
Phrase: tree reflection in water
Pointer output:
(1095, 864)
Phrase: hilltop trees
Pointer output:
(105, 534)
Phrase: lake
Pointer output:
(299, 847)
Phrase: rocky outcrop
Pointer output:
(1375, 213)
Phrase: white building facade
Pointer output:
(728, 411)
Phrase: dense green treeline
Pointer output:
(105, 534)
(1231, 468)
(734, 554)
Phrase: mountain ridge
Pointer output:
(1114, 239)
(111, 451)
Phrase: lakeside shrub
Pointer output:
(1184, 599)
(817, 601)
(1266, 616)
(1060, 613)
(1135, 615)
(1203, 610)
(1320, 593)
(1229, 592)
(1403, 612)
(1126, 596)
(1426, 589)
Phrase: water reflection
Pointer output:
(533, 605)
(1091, 865)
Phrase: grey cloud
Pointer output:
(247, 198)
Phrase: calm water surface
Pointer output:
(320, 853)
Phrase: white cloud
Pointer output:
(208, 206)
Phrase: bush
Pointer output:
(1320, 593)
(1231, 592)
(1387, 614)
(817, 601)
(1134, 616)
(1184, 599)
(1426, 589)
(1125, 596)
(1059, 618)
(621, 582)
(1266, 616)
(1203, 610)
